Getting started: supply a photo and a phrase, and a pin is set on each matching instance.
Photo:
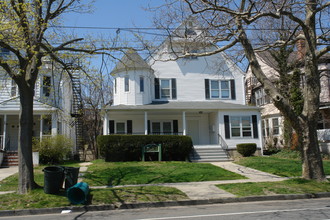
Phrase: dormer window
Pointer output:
(190, 32)
(46, 85)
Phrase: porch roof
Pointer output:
(174, 105)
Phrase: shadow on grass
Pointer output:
(128, 175)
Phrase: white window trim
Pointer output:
(160, 89)
(241, 127)
(161, 125)
(220, 89)
(128, 84)
(42, 85)
(13, 85)
(144, 83)
(125, 125)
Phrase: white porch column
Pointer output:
(4, 131)
(184, 123)
(54, 124)
(41, 127)
(146, 123)
(106, 124)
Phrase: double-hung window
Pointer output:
(220, 89)
(241, 126)
(276, 126)
(120, 128)
(165, 88)
(161, 127)
(46, 85)
(141, 84)
(13, 89)
(126, 82)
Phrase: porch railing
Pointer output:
(223, 144)
(152, 133)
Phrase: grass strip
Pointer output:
(278, 166)
(126, 173)
(292, 186)
(38, 199)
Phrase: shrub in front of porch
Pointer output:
(54, 149)
(129, 147)
(247, 149)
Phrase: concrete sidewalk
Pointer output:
(7, 171)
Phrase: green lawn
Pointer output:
(125, 173)
(278, 166)
(292, 186)
(38, 199)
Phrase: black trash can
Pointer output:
(71, 176)
(53, 179)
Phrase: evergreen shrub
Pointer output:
(129, 147)
(246, 150)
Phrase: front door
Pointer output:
(13, 132)
(193, 130)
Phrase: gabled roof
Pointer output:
(202, 105)
(131, 61)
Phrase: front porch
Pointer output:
(44, 125)
(201, 126)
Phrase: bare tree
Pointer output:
(27, 34)
(236, 24)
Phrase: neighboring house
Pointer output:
(55, 104)
(272, 120)
(202, 97)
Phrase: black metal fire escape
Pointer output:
(77, 110)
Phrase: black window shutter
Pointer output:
(175, 127)
(129, 126)
(112, 126)
(148, 126)
(156, 88)
(173, 88)
(233, 90)
(255, 126)
(207, 89)
(227, 127)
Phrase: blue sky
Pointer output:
(114, 13)
(111, 14)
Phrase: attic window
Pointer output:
(190, 32)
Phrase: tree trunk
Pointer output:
(312, 165)
(26, 177)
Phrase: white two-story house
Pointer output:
(203, 97)
(53, 103)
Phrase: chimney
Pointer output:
(301, 46)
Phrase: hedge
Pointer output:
(129, 147)
(246, 150)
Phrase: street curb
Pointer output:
(90, 208)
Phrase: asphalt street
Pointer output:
(311, 209)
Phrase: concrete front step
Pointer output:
(208, 153)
